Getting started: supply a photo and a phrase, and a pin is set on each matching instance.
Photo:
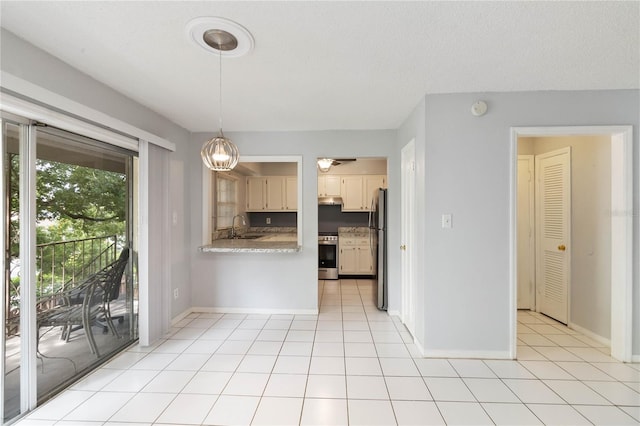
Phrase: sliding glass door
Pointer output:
(70, 299)
(12, 133)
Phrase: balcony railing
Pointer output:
(60, 266)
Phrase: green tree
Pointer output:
(93, 199)
(73, 202)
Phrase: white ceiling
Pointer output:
(334, 65)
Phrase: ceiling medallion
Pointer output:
(207, 31)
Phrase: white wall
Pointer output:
(285, 282)
(467, 161)
(590, 297)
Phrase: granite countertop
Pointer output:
(354, 231)
(259, 242)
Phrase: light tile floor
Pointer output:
(351, 364)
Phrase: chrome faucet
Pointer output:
(233, 224)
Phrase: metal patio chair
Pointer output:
(83, 305)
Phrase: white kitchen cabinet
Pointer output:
(276, 193)
(291, 193)
(355, 256)
(272, 193)
(357, 191)
(329, 186)
(351, 191)
(256, 194)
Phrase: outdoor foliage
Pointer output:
(73, 203)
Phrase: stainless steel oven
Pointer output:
(327, 257)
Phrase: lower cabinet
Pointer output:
(355, 256)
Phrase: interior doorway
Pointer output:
(408, 252)
(619, 227)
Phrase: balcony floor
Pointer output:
(59, 361)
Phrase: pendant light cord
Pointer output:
(220, 98)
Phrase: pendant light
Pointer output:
(220, 154)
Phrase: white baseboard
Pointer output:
(419, 347)
(216, 310)
(635, 358)
(427, 353)
(181, 316)
(590, 334)
(394, 313)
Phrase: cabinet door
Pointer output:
(291, 195)
(365, 260)
(328, 186)
(255, 194)
(275, 193)
(351, 192)
(332, 185)
(371, 184)
(348, 260)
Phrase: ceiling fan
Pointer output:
(324, 164)
(338, 161)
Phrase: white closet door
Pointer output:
(526, 238)
(553, 190)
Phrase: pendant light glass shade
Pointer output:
(220, 154)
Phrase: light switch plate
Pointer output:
(447, 221)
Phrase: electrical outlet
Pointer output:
(268, 221)
(176, 293)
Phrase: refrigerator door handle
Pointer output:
(371, 241)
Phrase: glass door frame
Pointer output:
(28, 394)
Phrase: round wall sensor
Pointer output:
(479, 108)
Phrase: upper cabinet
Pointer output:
(357, 191)
(291, 191)
(272, 193)
(328, 186)
(256, 194)
(352, 192)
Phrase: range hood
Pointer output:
(329, 201)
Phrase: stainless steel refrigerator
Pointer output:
(378, 243)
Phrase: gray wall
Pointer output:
(38, 67)
(466, 272)
(462, 169)
(278, 281)
(590, 297)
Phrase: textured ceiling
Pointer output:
(334, 65)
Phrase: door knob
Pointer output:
(403, 247)
(561, 247)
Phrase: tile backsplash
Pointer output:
(330, 218)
